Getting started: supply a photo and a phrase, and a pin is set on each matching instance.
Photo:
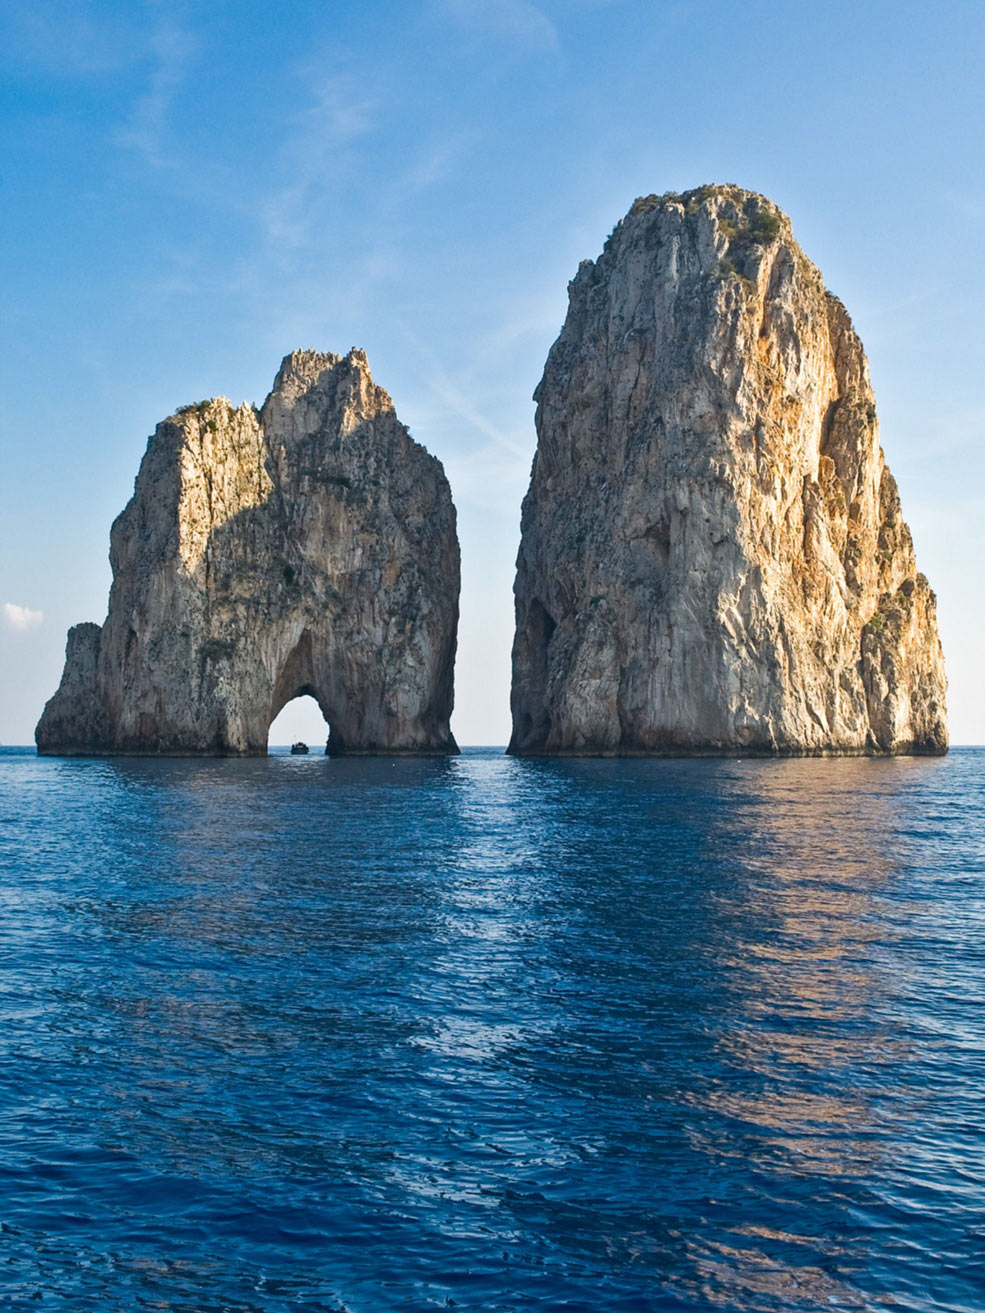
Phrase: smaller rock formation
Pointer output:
(713, 555)
(308, 547)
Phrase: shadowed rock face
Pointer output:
(713, 557)
(308, 547)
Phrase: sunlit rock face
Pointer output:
(305, 548)
(713, 557)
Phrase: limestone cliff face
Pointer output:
(308, 547)
(713, 557)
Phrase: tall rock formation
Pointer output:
(713, 557)
(308, 547)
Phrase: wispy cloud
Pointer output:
(434, 162)
(305, 267)
(71, 41)
(317, 143)
(487, 463)
(519, 21)
(483, 478)
(21, 617)
(146, 132)
(457, 401)
(341, 109)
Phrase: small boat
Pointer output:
(299, 749)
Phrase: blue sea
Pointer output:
(488, 1034)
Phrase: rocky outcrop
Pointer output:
(713, 557)
(308, 547)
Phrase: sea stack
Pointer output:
(713, 557)
(308, 547)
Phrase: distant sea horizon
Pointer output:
(493, 747)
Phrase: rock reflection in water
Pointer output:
(587, 1034)
(807, 1048)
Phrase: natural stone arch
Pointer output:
(307, 545)
(297, 680)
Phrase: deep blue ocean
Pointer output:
(491, 1034)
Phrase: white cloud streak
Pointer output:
(147, 131)
(317, 145)
(71, 41)
(21, 617)
(519, 21)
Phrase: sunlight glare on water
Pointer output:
(377, 1035)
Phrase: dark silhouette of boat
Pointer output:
(299, 749)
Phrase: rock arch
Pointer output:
(297, 680)
(309, 546)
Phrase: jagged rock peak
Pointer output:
(304, 368)
(713, 556)
(305, 547)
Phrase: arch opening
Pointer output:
(300, 720)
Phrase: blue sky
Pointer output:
(190, 191)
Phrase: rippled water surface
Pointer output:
(586, 1035)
